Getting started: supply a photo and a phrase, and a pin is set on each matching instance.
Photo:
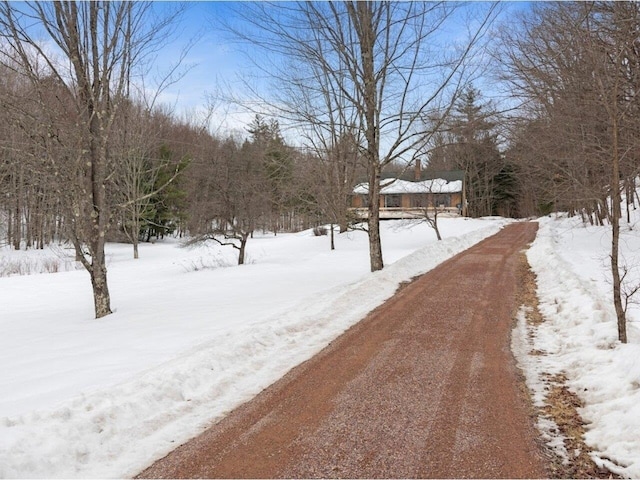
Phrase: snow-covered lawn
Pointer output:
(579, 334)
(81, 397)
(193, 336)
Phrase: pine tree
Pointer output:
(475, 151)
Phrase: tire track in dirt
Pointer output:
(425, 386)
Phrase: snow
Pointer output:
(192, 337)
(579, 335)
(396, 186)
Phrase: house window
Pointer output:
(393, 201)
(419, 200)
(443, 200)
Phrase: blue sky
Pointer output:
(215, 63)
(210, 58)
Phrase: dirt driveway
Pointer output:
(425, 386)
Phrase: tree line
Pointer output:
(576, 68)
(368, 87)
(86, 159)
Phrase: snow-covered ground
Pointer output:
(191, 337)
(579, 335)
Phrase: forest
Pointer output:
(364, 91)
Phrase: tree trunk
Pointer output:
(616, 213)
(435, 224)
(362, 14)
(243, 246)
(333, 244)
(28, 226)
(101, 297)
(615, 271)
(9, 226)
(375, 245)
(17, 230)
(17, 218)
(135, 231)
(629, 186)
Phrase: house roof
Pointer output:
(425, 174)
(392, 186)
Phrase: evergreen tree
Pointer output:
(278, 167)
(166, 212)
(470, 144)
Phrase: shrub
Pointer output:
(320, 231)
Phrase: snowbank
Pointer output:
(579, 337)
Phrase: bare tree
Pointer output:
(388, 66)
(576, 64)
(615, 33)
(335, 141)
(27, 187)
(144, 169)
(228, 195)
(134, 176)
(428, 207)
(92, 52)
(333, 166)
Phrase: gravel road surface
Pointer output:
(424, 387)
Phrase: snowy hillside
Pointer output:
(579, 336)
(81, 397)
